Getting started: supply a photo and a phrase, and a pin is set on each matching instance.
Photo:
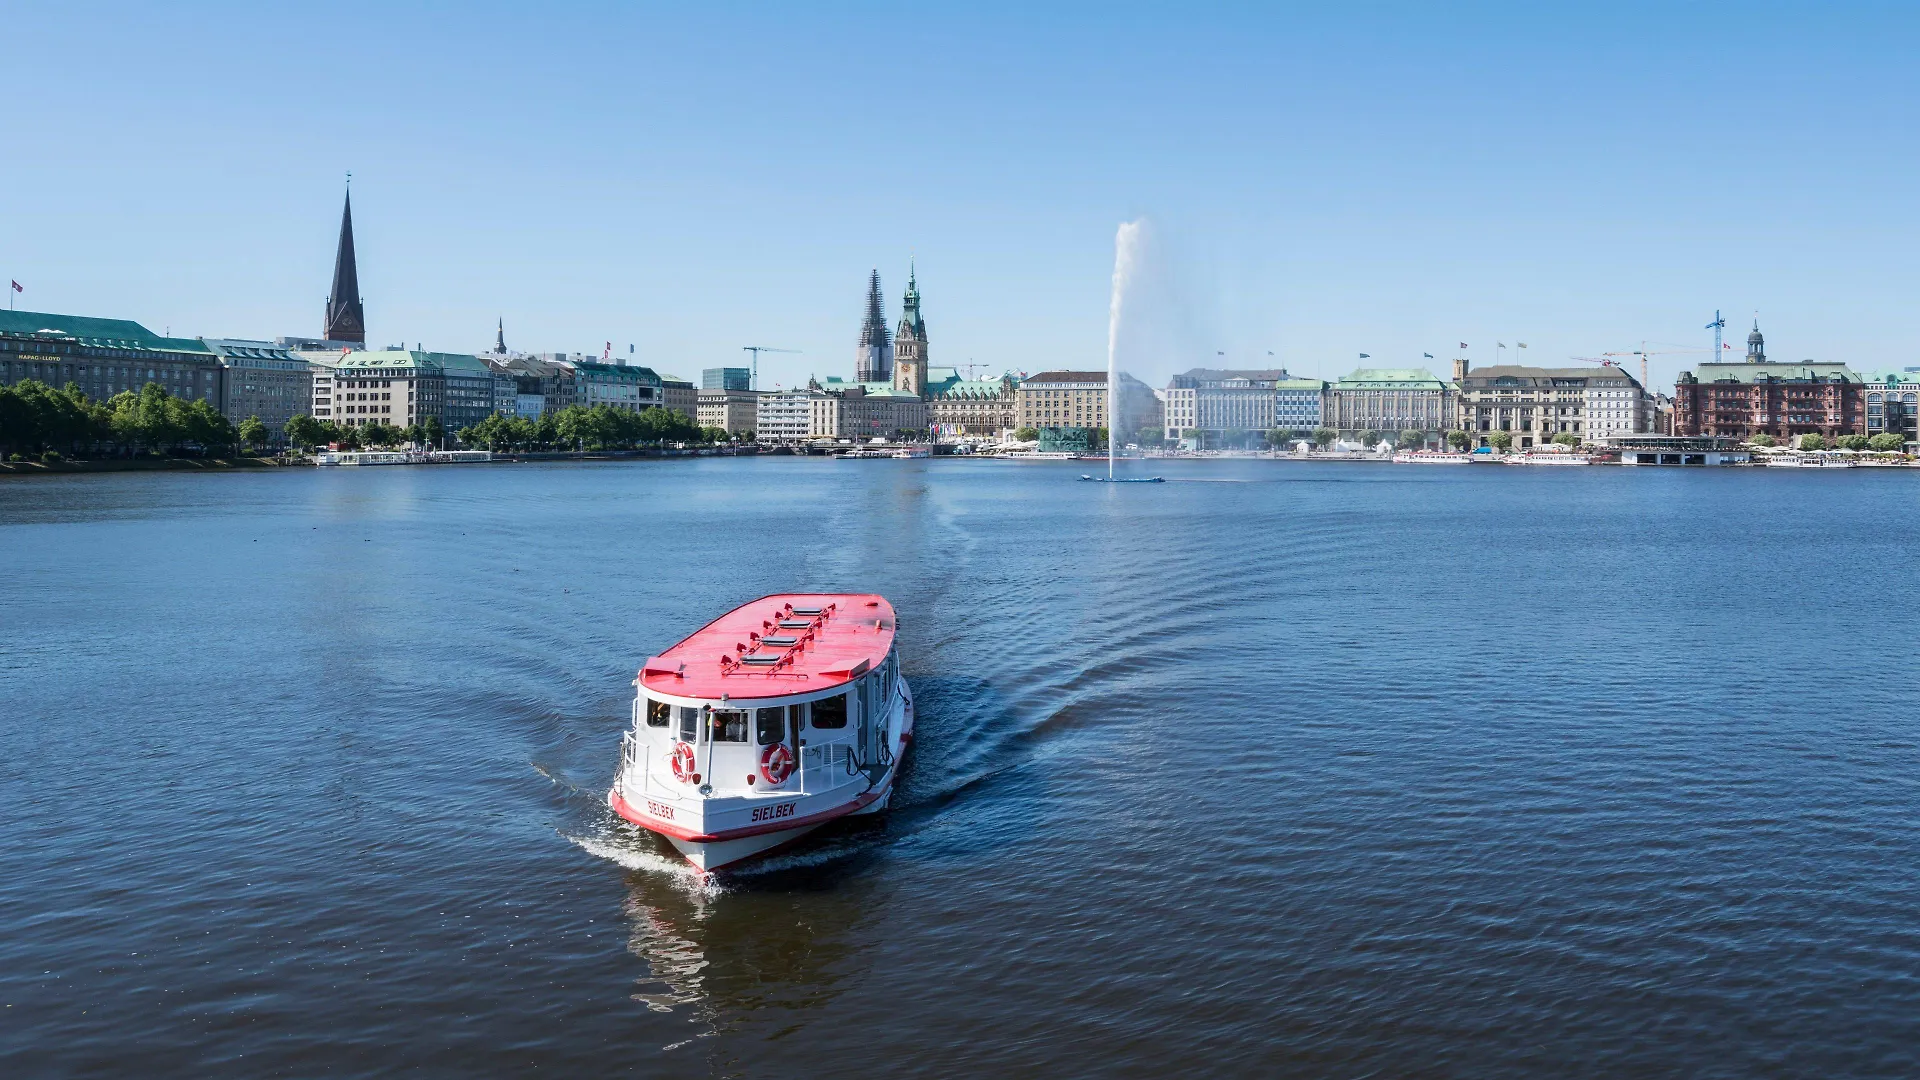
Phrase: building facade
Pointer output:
(786, 416)
(263, 379)
(1534, 404)
(1062, 399)
(726, 378)
(104, 357)
(680, 396)
(1209, 401)
(1297, 402)
(970, 408)
(619, 386)
(390, 386)
(734, 411)
(1779, 400)
(1893, 403)
(1388, 401)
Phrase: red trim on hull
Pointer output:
(624, 809)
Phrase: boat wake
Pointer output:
(631, 856)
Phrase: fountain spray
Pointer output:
(1126, 257)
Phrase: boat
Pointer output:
(1807, 461)
(1431, 457)
(765, 724)
(1548, 459)
(1124, 479)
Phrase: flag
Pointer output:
(1366, 356)
(1499, 344)
(1522, 344)
(17, 287)
(1463, 344)
(1428, 355)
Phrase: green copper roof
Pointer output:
(1748, 373)
(1300, 384)
(99, 333)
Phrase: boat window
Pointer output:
(689, 723)
(658, 713)
(729, 725)
(770, 725)
(829, 713)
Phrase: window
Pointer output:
(830, 713)
(657, 713)
(770, 725)
(729, 725)
(689, 723)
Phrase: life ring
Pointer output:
(776, 763)
(683, 764)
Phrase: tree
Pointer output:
(1026, 434)
(1410, 439)
(1888, 441)
(1324, 437)
(432, 431)
(1567, 438)
(1370, 437)
(252, 432)
(304, 431)
(1459, 440)
(1853, 442)
(1500, 440)
(349, 438)
(1812, 442)
(1762, 439)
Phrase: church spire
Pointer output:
(873, 361)
(345, 319)
(1756, 345)
(500, 336)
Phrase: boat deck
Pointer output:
(776, 646)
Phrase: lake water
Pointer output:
(1274, 769)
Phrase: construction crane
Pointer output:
(1642, 353)
(753, 381)
(1718, 324)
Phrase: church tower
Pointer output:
(910, 343)
(873, 361)
(346, 321)
(1756, 345)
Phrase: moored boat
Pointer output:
(1809, 460)
(772, 720)
(1547, 459)
(1431, 457)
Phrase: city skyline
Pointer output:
(1322, 184)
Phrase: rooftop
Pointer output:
(1389, 379)
(840, 637)
(1098, 378)
(98, 333)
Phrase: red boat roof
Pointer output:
(790, 643)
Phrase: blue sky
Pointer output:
(1321, 180)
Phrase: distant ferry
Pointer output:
(1808, 461)
(1548, 459)
(1431, 457)
(766, 724)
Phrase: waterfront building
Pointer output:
(104, 356)
(550, 377)
(680, 395)
(786, 415)
(1297, 403)
(400, 387)
(1893, 402)
(346, 319)
(733, 410)
(1210, 401)
(1387, 401)
(620, 386)
(1534, 404)
(866, 410)
(263, 379)
(977, 408)
(1758, 397)
(873, 358)
(1061, 399)
(726, 378)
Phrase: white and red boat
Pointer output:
(765, 724)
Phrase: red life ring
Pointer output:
(776, 763)
(682, 761)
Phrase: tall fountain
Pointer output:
(1126, 260)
